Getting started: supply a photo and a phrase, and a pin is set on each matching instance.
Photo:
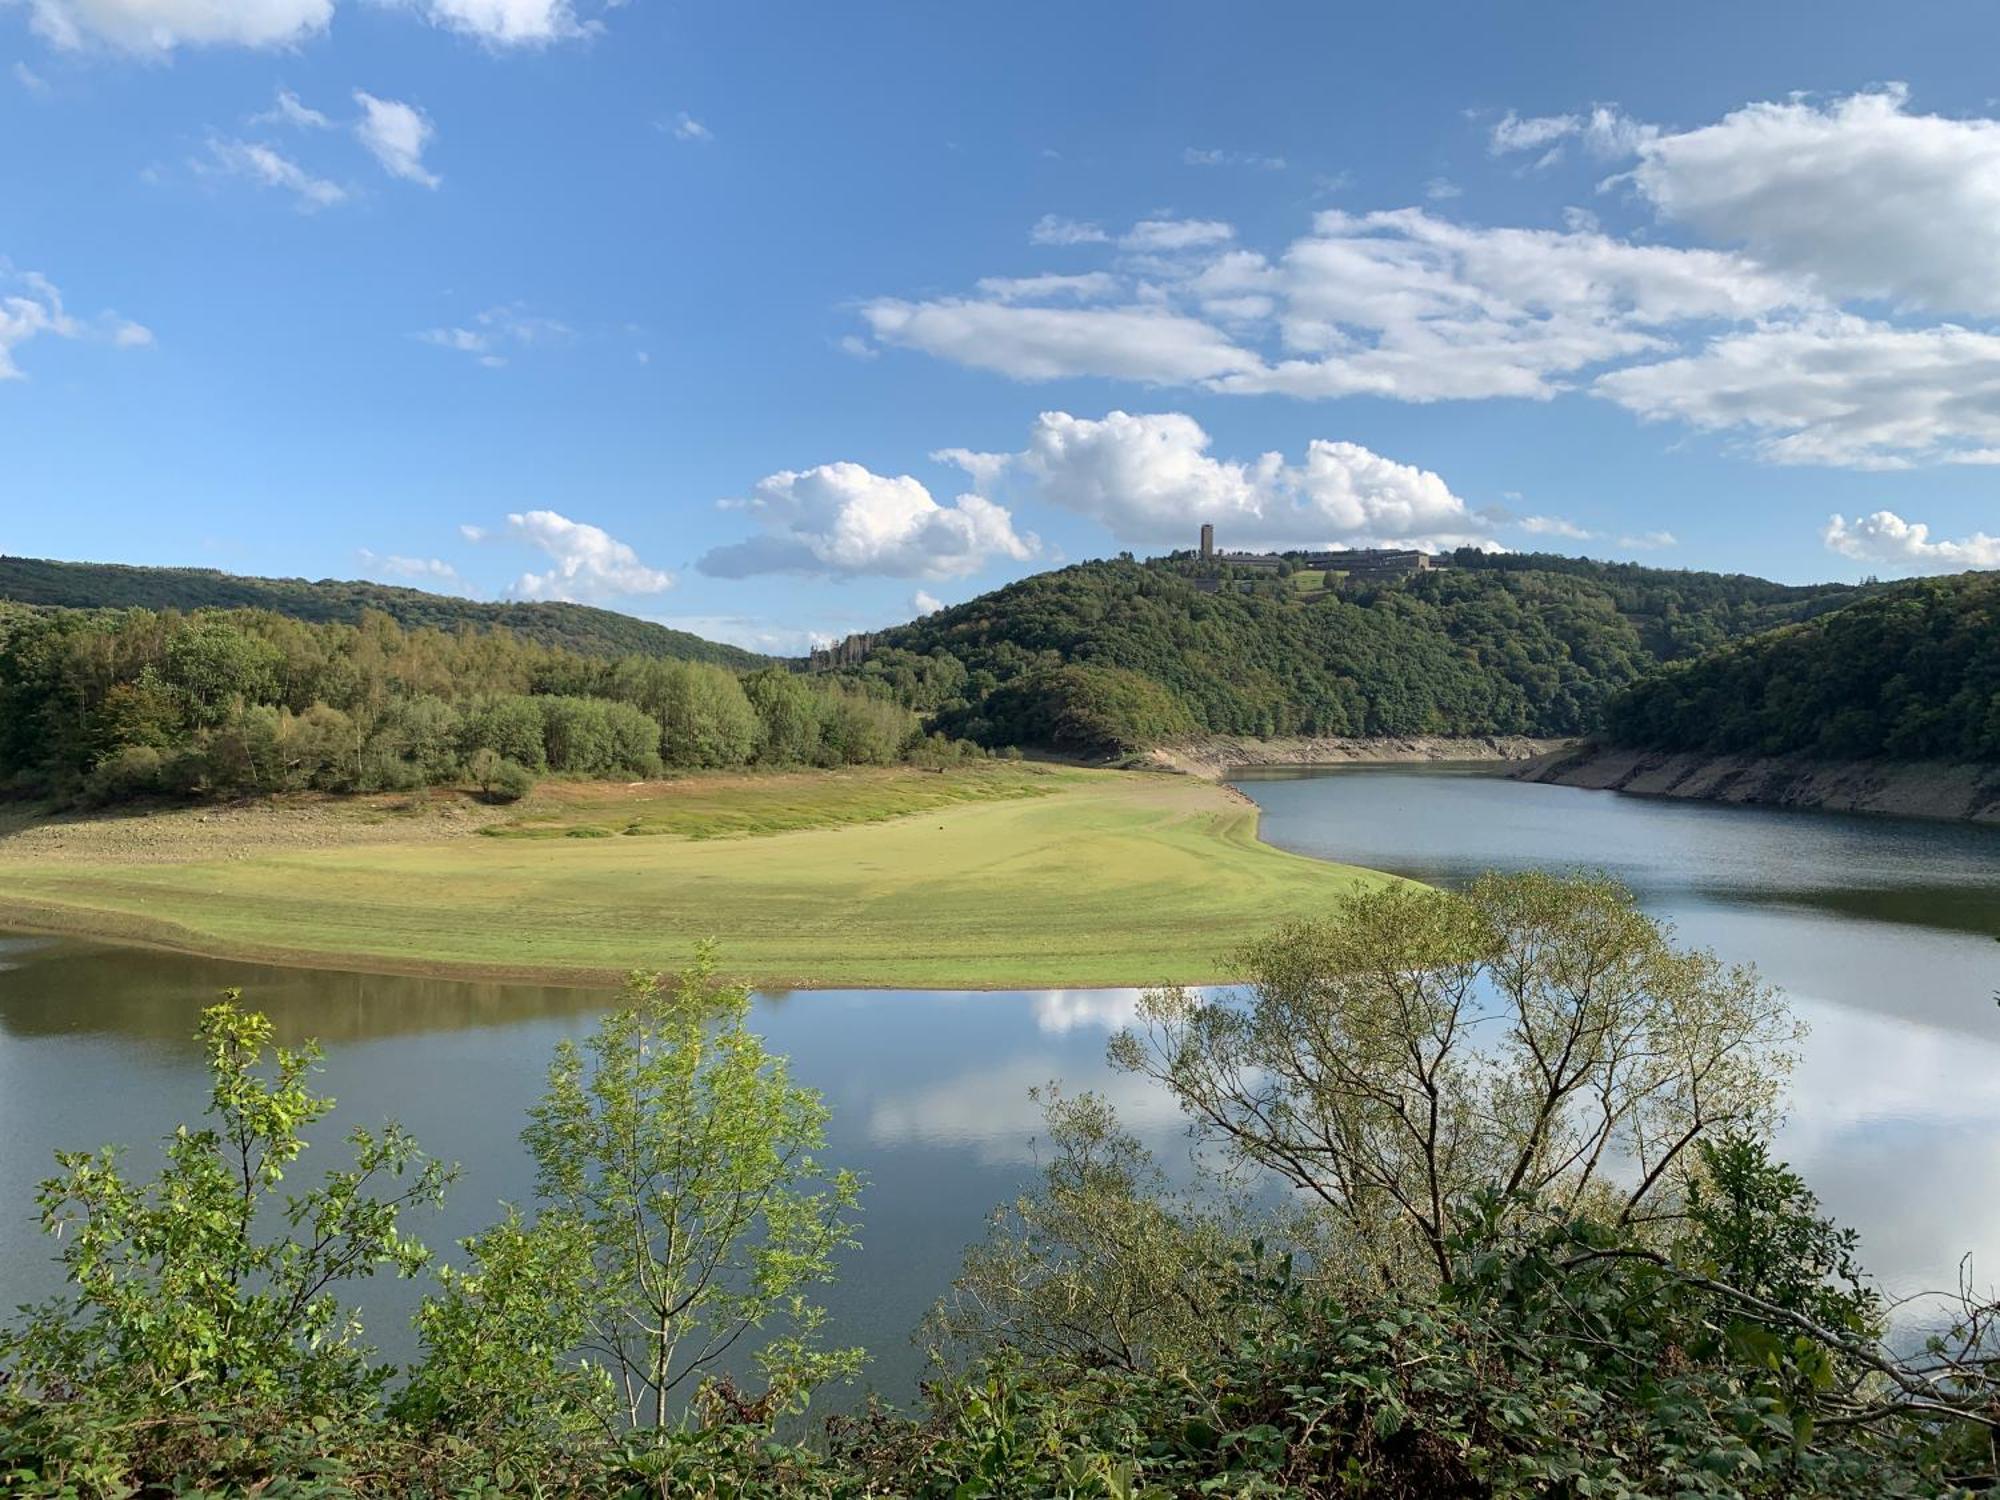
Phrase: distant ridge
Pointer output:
(1121, 655)
(577, 627)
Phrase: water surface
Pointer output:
(1881, 931)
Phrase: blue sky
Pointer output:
(779, 320)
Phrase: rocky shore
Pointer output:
(1911, 789)
(1215, 756)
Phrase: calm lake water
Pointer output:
(1881, 931)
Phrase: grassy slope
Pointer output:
(1112, 879)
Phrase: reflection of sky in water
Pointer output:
(1895, 1118)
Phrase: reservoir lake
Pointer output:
(1883, 933)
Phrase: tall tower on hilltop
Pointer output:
(1207, 541)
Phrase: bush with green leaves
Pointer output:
(211, 1297)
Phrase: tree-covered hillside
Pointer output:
(573, 627)
(1910, 674)
(106, 704)
(1108, 655)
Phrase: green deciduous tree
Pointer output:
(1533, 1035)
(788, 716)
(684, 1153)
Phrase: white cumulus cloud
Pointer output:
(396, 135)
(590, 563)
(509, 23)
(1859, 194)
(1401, 304)
(157, 27)
(1888, 539)
(1837, 390)
(1150, 480)
(1132, 342)
(925, 603)
(844, 520)
(687, 128)
(1405, 304)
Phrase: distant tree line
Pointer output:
(576, 627)
(109, 705)
(1910, 674)
(1115, 655)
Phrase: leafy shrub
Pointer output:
(134, 771)
(506, 781)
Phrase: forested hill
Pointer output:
(571, 627)
(1912, 673)
(1109, 655)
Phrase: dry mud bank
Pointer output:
(1911, 789)
(1215, 756)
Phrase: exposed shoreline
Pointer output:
(1214, 756)
(1944, 790)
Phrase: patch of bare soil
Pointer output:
(176, 834)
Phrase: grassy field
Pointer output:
(991, 876)
(712, 807)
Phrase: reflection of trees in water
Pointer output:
(1971, 907)
(64, 988)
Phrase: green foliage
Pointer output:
(705, 717)
(789, 715)
(499, 1374)
(569, 627)
(1754, 1224)
(498, 778)
(509, 725)
(1421, 1045)
(211, 1295)
(108, 707)
(1101, 1266)
(1516, 645)
(1112, 1339)
(1913, 673)
(1096, 710)
(676, 1154)
(859, 729)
